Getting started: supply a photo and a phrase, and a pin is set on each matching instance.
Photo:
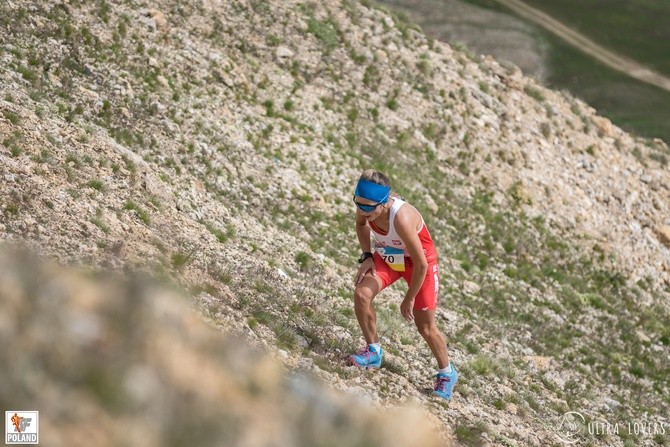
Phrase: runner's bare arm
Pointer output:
(406, 222)
(363, 233)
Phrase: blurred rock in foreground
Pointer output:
(111, 362)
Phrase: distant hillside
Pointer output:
(216, 145)
(638, 30)
(618, 72)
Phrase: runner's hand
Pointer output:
(366, 266)
(406, 309)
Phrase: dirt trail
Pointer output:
(583, 43)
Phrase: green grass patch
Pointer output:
(181, 259)
(98, 185)
(303, 260)
(221, 235)
(534, 92)
(470, 434)
(98, 222)
(325, 32)
(142, 214)
(10, 116)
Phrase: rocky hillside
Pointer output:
(135, 366)
(215, 145)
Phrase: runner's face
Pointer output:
(368, 215)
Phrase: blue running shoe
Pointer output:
(444, 383)
(367, 358)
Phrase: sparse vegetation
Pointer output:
(221, 235)
(142, 214)
(98, 185)
(10, 116)
(325, 31)
(302, 259)
(534, 92)
(287, 181)
(470, 435)
(99, 222)
(545, 128)
(181, 259)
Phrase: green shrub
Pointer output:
(98, 222)
(325, 32)
(302, 259)
(142, 214)
(11, 116)
(181, 259)
(98, 185)
(534, 93)
(470, 435)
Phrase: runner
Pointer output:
(404, 249)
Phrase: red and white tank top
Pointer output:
(392, 248)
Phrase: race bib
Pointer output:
(394, 257)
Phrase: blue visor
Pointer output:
(372, 191)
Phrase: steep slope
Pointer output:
(216, 145)
(134, 366)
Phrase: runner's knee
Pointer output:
(363, 296)
(428, 330)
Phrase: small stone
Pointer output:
(663, 234)
(644, 338)
(224, 77)
(471, 287)
(381, 55)
(611, 404)
(90, 94)
(305, 362)
(540, 363)
(430, 203)
(603, 125)
(53, 78)
(159, 19)
(283, 52)
(163, 81)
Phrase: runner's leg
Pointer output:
(364, 293)
(425, 323)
